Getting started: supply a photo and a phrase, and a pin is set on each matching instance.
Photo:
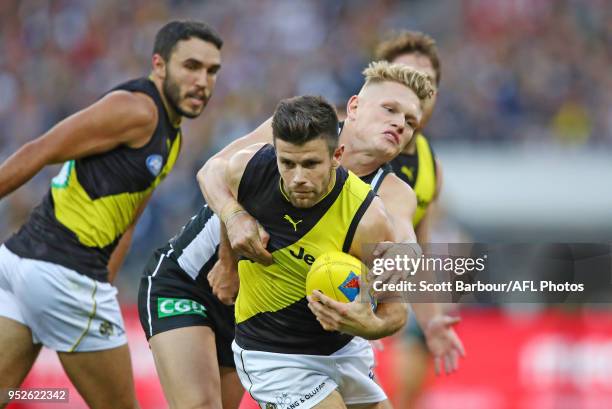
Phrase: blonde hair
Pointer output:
(409, 42)
(418, 82)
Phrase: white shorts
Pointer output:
(66, 311)
(290, 381)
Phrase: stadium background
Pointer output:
(523, 129)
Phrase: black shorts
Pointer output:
(169, 298)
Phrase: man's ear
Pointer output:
(351, 107)
(337, 156)
(159, 66)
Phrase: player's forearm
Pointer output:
(426, 312)
(391, 317)
(20, 167)
(214, 186)
(225, 248)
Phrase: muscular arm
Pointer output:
(220, 178)
(120, 117)
(376, 226)
(219, 184)
(400, 202)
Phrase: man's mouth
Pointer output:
(198, 100)
(394, 137)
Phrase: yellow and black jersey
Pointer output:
(419, 171)
(271, 310)
(93, 200)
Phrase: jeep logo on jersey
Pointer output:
(154, 164)
(302, 255)
(169, 307)
(350, 286)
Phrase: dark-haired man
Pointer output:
(308, 204)
(56, 272)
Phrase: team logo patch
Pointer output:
(62, 178)
(270, 405)
(283, 400)
(169, 307)
(350, 286)
(154, 164)
(106, 328)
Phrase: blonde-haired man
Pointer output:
(417, 166)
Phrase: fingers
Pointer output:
(437, 365)
(449, 321)
(248, 238)
(227, 299)
(459, 346)
(325, 311)
(263, 235)
(339, 307)
(381, 248)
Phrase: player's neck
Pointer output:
(410, 149)
(359, 161)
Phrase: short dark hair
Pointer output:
(175, 31)
(299, 120)
(410, 42)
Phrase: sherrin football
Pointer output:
(335, 274)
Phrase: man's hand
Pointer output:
(443, 343)
(248, 238)
(224, 281)
(354, 318)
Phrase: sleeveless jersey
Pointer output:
(419, 171)
(271, 309)
(194, 247)
(93, 200)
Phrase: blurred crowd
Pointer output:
(513, 72)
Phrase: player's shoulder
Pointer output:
(136, 107)
(238, 162)
(394, 187)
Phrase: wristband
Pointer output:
(229, 211)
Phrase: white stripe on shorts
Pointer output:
(149, 290)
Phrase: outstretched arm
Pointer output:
(120, 117)
(442, 340)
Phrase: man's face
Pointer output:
(385, 116)
(190, 77)
(306, 170)
(421, 63)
